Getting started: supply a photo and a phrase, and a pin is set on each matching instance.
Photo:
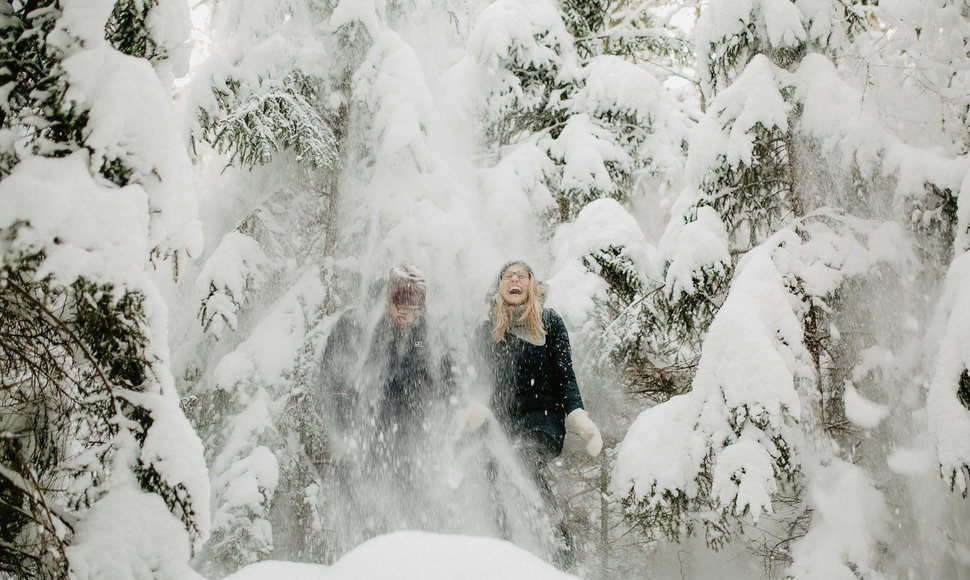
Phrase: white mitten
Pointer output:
(475, 415)
(579, 423)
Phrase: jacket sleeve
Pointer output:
(335, 393)
(557, 343)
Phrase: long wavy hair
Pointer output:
(529, 313)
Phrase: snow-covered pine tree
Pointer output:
(638, 30)
(637, 40)
(740, 167)
(283, 266)
(595, 115)
(929, 41)
(813, 189)
(265, 113)
(90, 191)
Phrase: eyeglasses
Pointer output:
(520, 274)
(408, 310)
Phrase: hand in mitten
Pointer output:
(579, 423)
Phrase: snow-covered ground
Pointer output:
(411, 555)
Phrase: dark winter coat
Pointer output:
(396, 381)
(534, 386)
(412, 381)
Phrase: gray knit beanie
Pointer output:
(406, 285)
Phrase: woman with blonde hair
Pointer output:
(535, 395)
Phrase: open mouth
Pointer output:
(515, 291)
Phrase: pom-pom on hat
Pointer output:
(406, 285)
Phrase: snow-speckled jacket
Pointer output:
(398, 368)
(534, 386)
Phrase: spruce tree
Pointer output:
(271, 128)
(789, 179)
(84, 386)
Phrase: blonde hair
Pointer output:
(503, 314)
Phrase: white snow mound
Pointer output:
(413, 555)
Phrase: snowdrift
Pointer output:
(411, 555)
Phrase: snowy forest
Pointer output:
(747, 213)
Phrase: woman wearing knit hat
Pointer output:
(394, 361)
(536, 396)
(381, 385)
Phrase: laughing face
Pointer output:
(514, 284)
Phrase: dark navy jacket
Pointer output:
(398, 372)
(534, 386)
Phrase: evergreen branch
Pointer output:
(41, 307)
(37, 496)
(127, 30)
(647, 34)
(630, 308)
(271, 122)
